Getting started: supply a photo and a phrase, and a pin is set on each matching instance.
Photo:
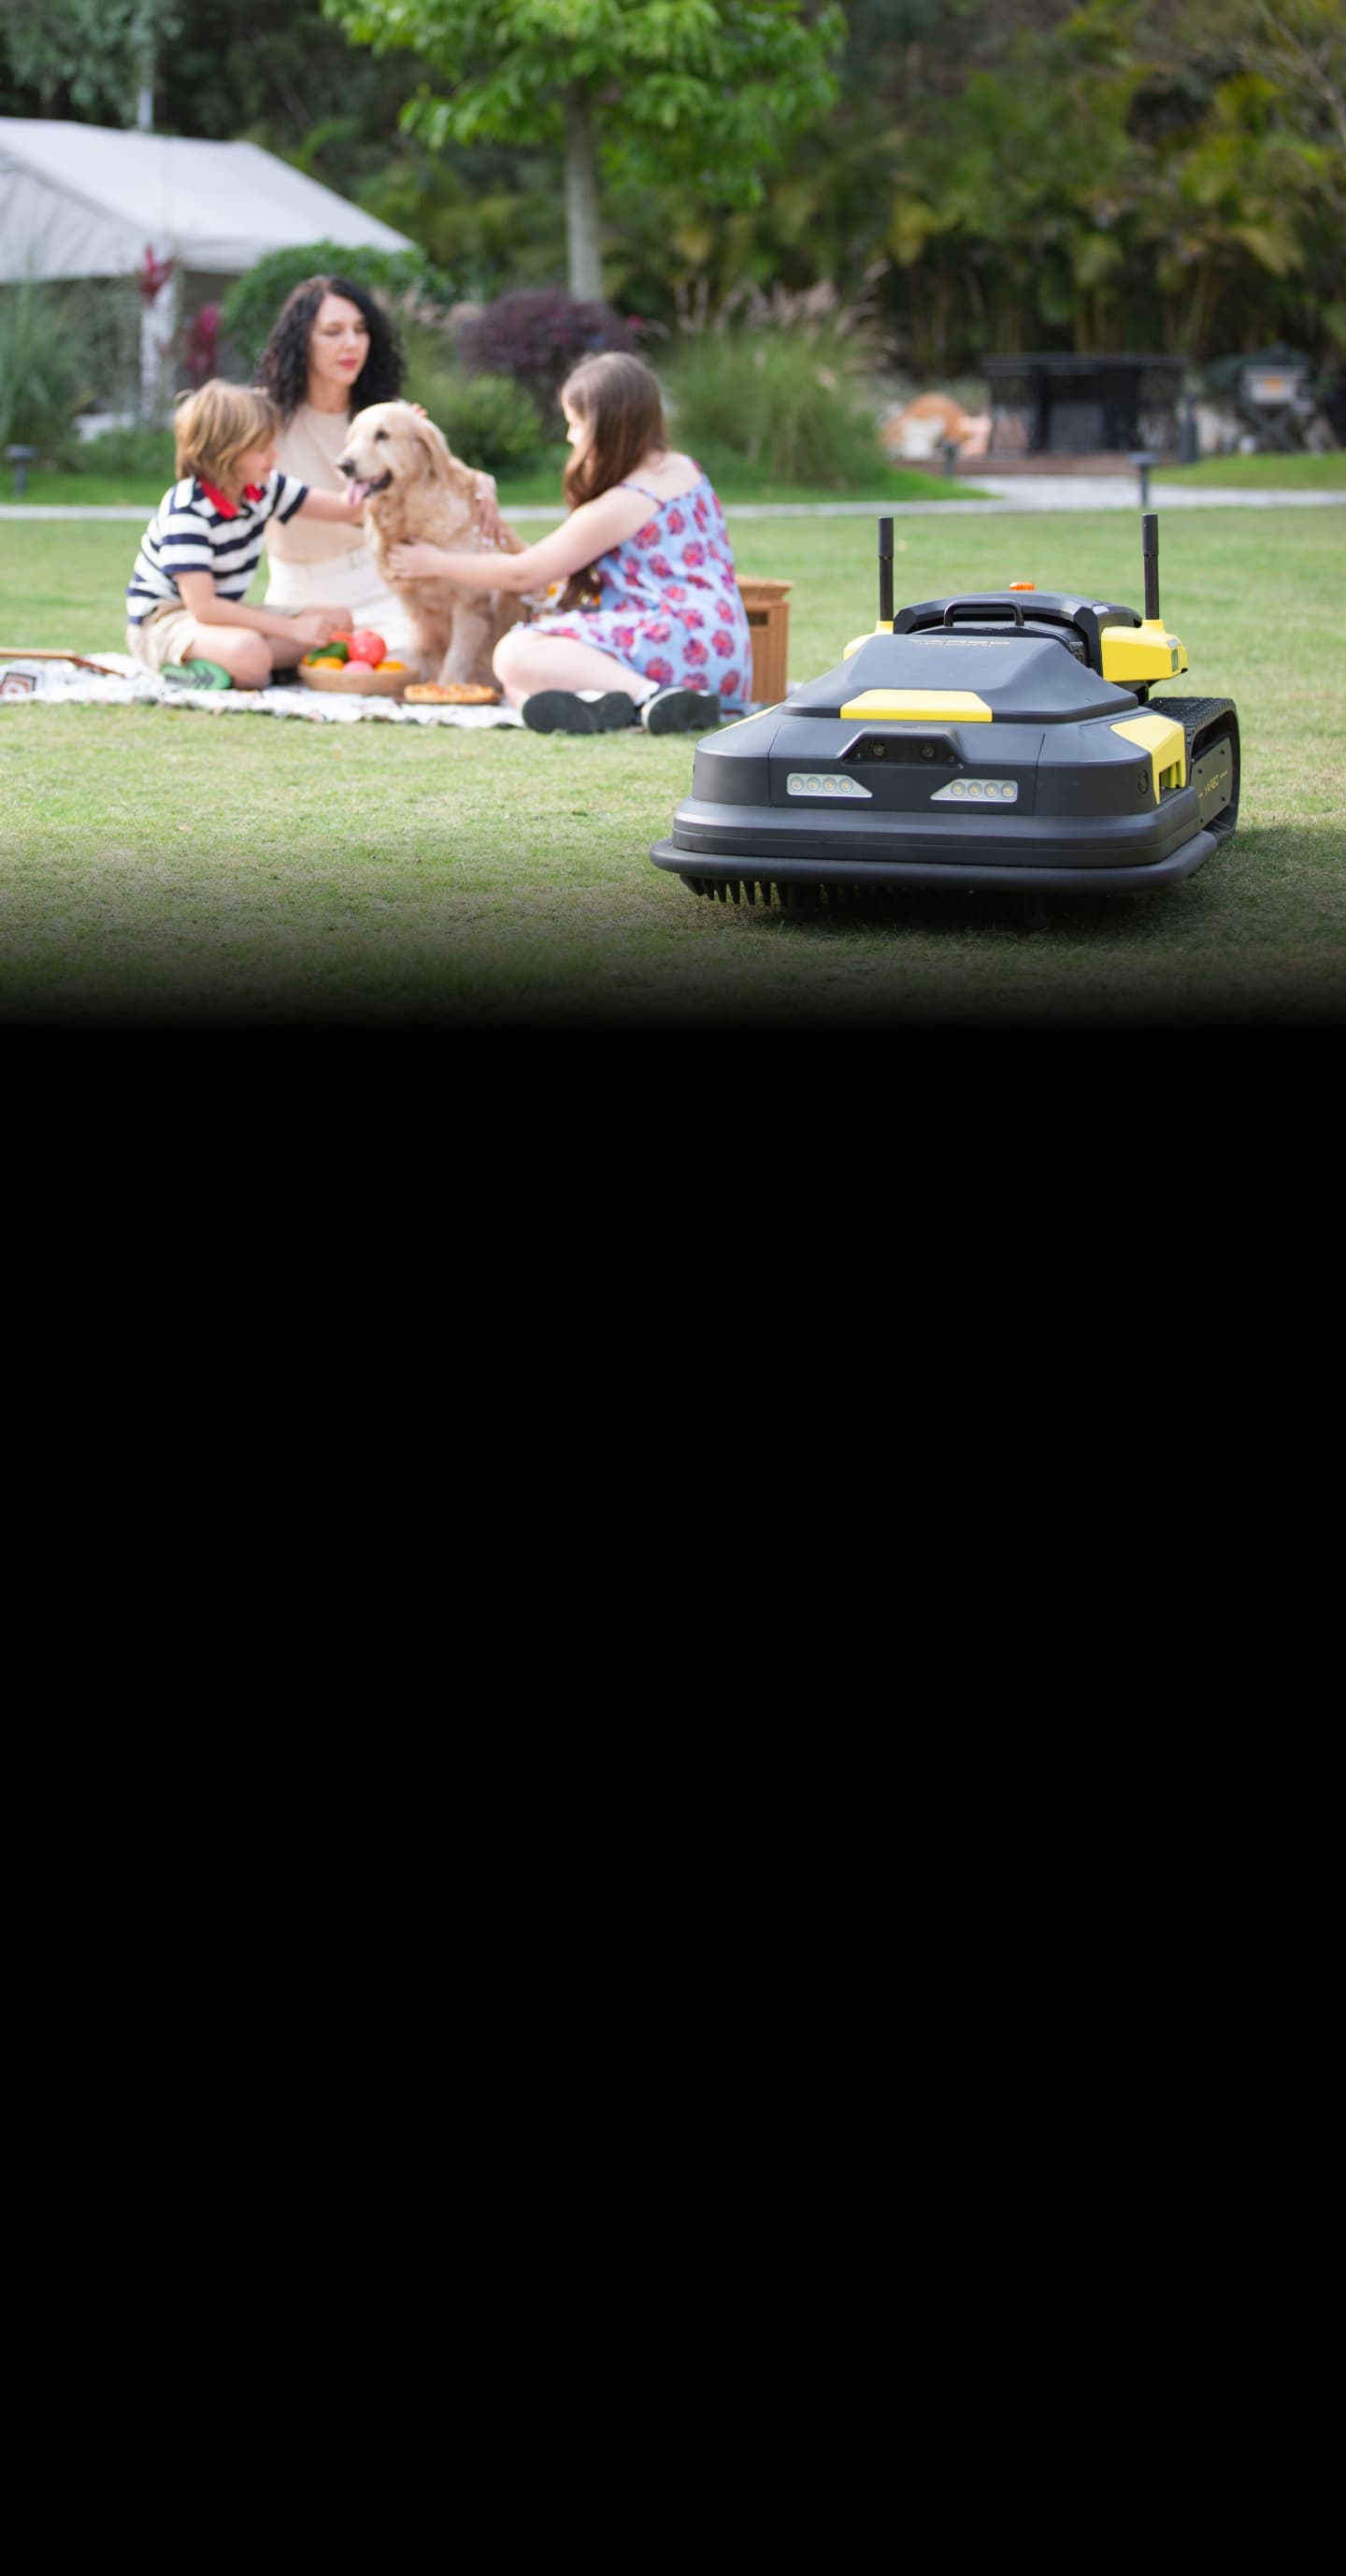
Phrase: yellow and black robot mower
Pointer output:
(1004, 740)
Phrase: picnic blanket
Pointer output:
(45, 679)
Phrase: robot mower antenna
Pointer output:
(1149, 547)
(886, 574)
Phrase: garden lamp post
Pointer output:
(1142, 461)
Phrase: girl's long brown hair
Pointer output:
(618, 399)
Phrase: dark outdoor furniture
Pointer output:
(1275, 399)
(1059, 404)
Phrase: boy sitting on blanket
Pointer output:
(202, 545)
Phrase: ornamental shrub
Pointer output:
(490, 421)
(404, 281)
(132, 452)
(536, 336)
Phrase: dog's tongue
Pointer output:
(358, 492)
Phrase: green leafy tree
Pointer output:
(96, 56)
(1283, 85)
(1113, 174)
(654, 86)
(1031, 173)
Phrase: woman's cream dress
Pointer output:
(313, 564)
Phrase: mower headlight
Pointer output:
(988, 791)
(805, 782)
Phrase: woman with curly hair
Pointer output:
(331, 352)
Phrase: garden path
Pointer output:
(1011, 497)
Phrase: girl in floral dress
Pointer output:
(665, 642)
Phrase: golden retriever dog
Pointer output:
(414, 487)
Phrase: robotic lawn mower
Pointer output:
(1005, 740)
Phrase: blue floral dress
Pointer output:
(668, 601)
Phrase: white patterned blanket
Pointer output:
(115, 680)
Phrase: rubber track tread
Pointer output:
(1200, 718)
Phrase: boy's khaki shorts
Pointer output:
(165, 636)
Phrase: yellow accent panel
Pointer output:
(921, 706)
(1166, 743)
(1145, 652)
(884, 627)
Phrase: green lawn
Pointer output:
(542, 485)
(1265, 473)
(898, 483)
(55, 490)
(161, 866)
(748, 483)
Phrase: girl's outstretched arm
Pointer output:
(589, 532)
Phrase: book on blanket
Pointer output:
(24, 668)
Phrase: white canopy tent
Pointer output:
(86, 201)
(79, 201)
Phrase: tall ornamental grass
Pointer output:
(780, 384)
(774, 402)
(43, 372)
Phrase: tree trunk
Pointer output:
(144, 73)
(583, 262)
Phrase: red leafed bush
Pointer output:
(537, 335)
(203, 341)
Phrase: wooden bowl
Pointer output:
(356, 680)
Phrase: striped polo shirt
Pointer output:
(195, 530)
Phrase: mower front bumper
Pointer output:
(1030, 853)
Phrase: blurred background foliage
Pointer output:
(997, 175)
